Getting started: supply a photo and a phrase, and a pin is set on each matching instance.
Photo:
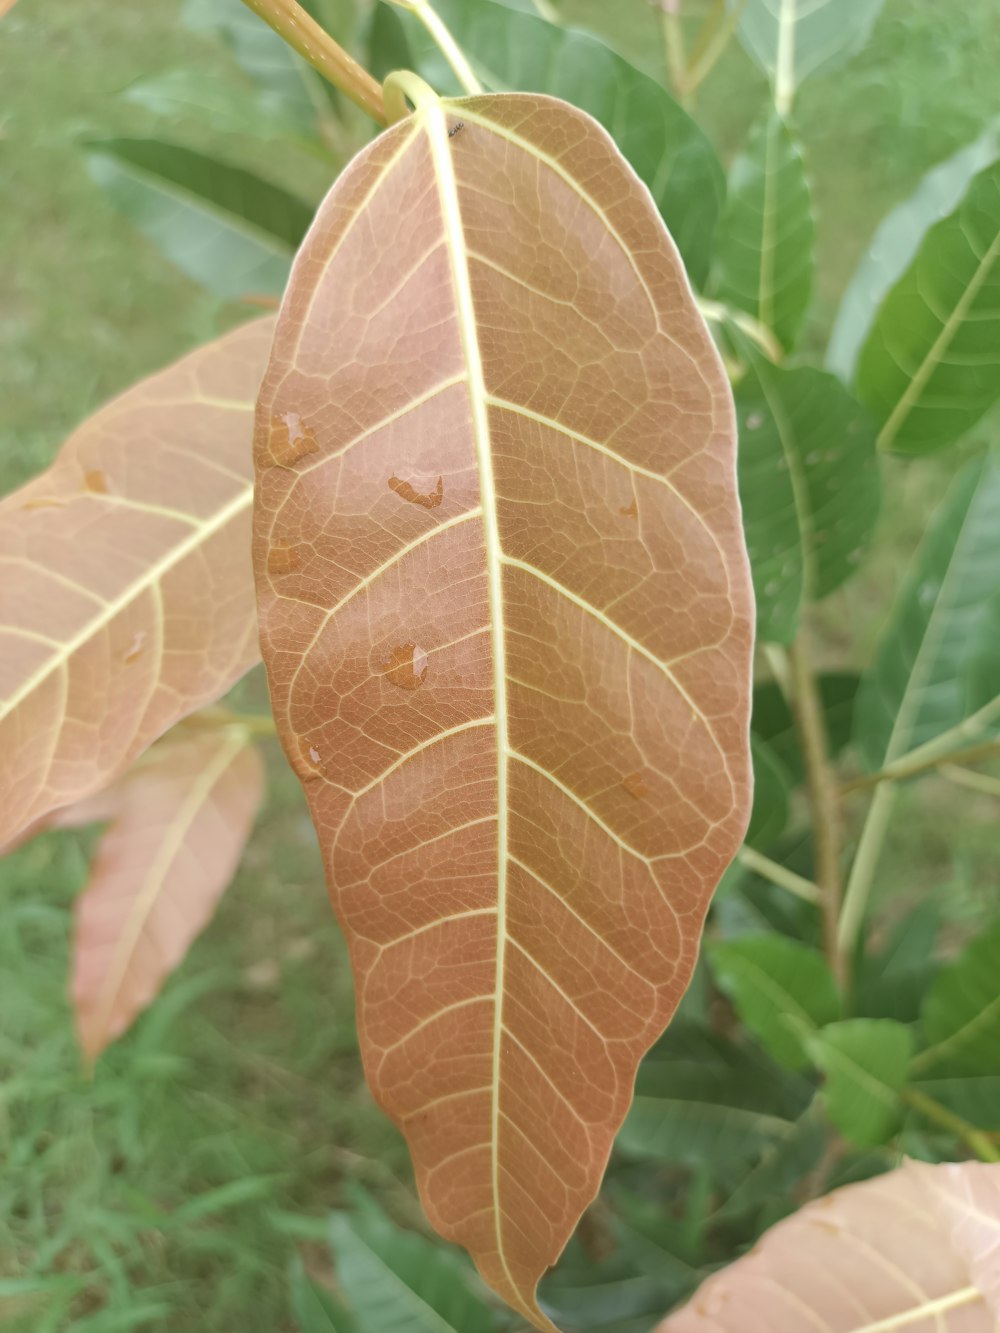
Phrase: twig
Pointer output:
(779, 874)
(291, 22)
(964, 777)
(862, 875)
(973, 1138)
(673, 45)
(918, 761)
(712, 42)
(824, 798)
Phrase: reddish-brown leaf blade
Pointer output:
(126, 595)
(882, 1255)
(506, 614)
(182, 819)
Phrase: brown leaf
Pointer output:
(182, 818)
(520, 715)
(882, 1255)
(126, 597)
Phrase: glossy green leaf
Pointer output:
(773, 722)
(772, 784)
(930, 367)
(519, 52)
(895, 245)
(777, 1168)
(892, 983)
(764, 257)
(794, 39)
(865, 1062)
(809, 484)
(226, 228)
(399, 1282)
(314, 1308)
(961, 1015)
(917, 687)
(782, 990)
(702, 1100)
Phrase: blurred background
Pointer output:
(173, 1189)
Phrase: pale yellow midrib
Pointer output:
(113, 609)
(173, 840)
(437, 130)
(965, 1296)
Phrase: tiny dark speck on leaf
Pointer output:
(456, 129)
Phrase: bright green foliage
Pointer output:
(701, 1100)
(865, 1062)
(782, 991)
(764, 256)
(809, 486)
(667, 149)
(792, 39)
(222, 225)
(961, 1015)
(895, 245)
(398, 1282)
(917, 686)
(931, 365)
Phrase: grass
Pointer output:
(171, 1190)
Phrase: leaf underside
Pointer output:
(506, 615)
(126, 600)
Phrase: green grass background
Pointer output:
(170, 1191)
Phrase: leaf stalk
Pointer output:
(975, 1139)
(445, 42)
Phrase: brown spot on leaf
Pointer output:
(407, 492)
(283, 559)
(136, 648)
(632, 511)
(407, 666)
(291, 439)
(635, 786)
(96, 481)
(311, 758)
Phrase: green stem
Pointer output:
(965, 777)
(445, 43)
(673, 45)
(304, 35)
(862, 875)
(919, 761)
(824, 799)
(780, 875)
(975, 1139)
(715, 37)
(717, 312)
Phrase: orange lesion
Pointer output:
(406, 667)
(636, 786)
(407, 492)
(291, 439)
(283, 559)
(632, 511)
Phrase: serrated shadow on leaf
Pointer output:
(521, 850)
(127, 579)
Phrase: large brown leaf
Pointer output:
(916, 1249)
(179, 822)
(126, 596)
(506, 614)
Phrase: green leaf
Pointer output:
(930, 367)
(895, 245)
(794, 39)
(702, 1100)
(961, 1014)
(771, 788)
(261, 53)
(809, 484)
(918, 685)
(865, 1061)
(782, 991)
(517, 51)
(184, 94)
(974, 1097)
(777, 1169)
(224, 227)
(315, 1310)
(398, 1282)
(764, 255)
(893, 983)
(773, 722)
